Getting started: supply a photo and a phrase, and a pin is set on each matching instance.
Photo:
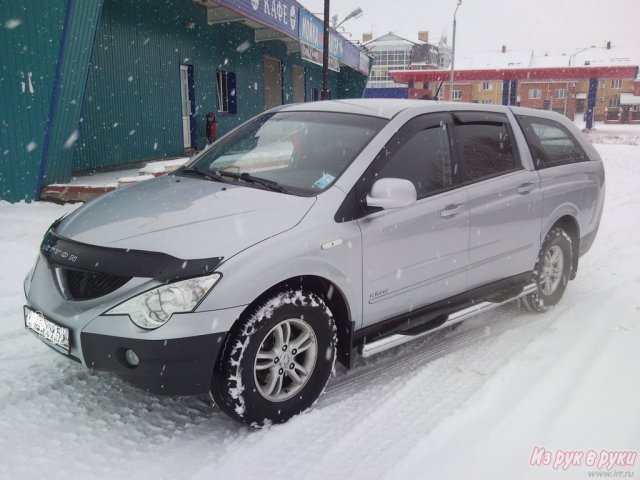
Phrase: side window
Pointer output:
(424, 159)
(550, 143)
(485, 149)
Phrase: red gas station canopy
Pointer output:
(553, 73)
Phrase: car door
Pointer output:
(505, 199)
(416, 255)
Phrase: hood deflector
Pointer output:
(122, 262)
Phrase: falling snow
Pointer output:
(71, 140)
(12, 23)
(243, 47)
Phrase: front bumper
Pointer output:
(179, 366)
(175, 359)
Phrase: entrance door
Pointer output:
(186, 92)
(298, 84)
(272, 83)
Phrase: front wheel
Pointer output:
(552, 271)
(277, 361)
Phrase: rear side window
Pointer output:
(550, 143)
(424, 159)
(485, 149)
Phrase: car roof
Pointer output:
(376, 107)
(389, 108)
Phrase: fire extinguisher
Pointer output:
(212, 128)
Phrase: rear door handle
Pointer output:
(451, 210)
(525, 188)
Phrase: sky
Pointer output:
(553, 26)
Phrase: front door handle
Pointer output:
(451, 210)
(525, 188)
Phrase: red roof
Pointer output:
(553, 73)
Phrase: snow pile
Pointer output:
(614, 134)
(162, 167)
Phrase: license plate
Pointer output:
(46, 330)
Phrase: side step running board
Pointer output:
(385, 343)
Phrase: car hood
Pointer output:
(188, 218)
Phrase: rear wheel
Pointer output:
(552, 271)
(278, 360)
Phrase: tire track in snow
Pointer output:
(426, 382)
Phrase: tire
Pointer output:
(552, 271)
(261, 378)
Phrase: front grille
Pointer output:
(82, 285)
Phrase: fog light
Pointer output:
(131, 358)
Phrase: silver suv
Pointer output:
(313, 232)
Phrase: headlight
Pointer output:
(154, 308)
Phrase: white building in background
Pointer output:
(393, 52)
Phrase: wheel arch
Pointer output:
(333, 296)
(569, 224)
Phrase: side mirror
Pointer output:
(389, 193)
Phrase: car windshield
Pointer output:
(295, 152)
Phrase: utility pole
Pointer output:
(324, 95)
(453, 51)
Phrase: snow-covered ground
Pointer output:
(470, 403)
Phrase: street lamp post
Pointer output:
(453, 51)
(357, 13)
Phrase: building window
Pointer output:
(456, 95)
(226, 89)
(617, 83)
(561, 93)
(487, 86)
(487, 102)
(385, 60)
(615, 101)
(535, 93)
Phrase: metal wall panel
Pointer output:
(29, 52)
(43, 75)
(83, 23)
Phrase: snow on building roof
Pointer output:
(545, 61)
(392, 39)
(605, 57)
(593, 56)
(508, 59)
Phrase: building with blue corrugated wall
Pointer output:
(93, 84)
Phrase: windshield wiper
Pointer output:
(204, 173)
(247, 177)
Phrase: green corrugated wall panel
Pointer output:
(132, 104)
(29, 46)
(82, 29)
(132, 107)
